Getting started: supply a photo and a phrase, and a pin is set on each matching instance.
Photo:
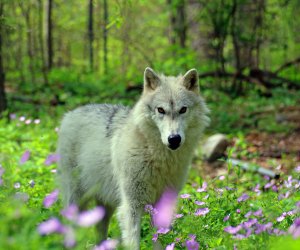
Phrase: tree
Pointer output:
(3, 103)
(105, 36)
(178, 22)
(49, 34)
(91, 33)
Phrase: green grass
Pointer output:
(19, 219)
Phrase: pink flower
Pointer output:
(226, 218)
(107, 245)
(200, 203)
(52, 158)
(71, 212)
(243, 197)
(52, 225)
(50, 199)
(163, 230)
(233, 230)
(192, 244)
(202, 211)
(185, 196)
(90, 217)
(170, 247)
(203, 188)
(165, 209)
(25, 157)
(295, 228)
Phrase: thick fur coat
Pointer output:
(125, 158)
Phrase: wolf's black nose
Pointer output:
(174, 141)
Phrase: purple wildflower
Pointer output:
(90, 217)
(202, 188)
(295, 228)
(107, 245)
(247, 215)
(22, 118)
(31, 183)
(178, 216)
(249, 223)
(284, 196)
(192, 244)
(278, 232)
(200, 203)
(281, 217)
(226, 218)
(155, 237)
(205, 197)
(25, 157)
(262, 227)
(52, 158)
(163, 230)
(165, 209)
(238, 211)
(257, 190)
(243, 197)
(51, 198)
(233, 230)
(185, 196)
(202, 211)
(12, 116)
(222, 177)
(258, 213)
(71, 212)
(170, 247)
(52, 225)
(297, 169)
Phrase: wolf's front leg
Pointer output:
(130, 222)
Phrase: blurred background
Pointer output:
(58, 54)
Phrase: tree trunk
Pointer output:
(105, 36)
(3, 102)
(91, 34)
(178, 23)
(49, 35)
(41, 41)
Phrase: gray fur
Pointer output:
(120, 157)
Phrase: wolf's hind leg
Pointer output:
(102, 226)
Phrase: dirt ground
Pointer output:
(277, 152)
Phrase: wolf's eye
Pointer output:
(161, 110)
(182, 110)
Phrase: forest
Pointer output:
(56, 55)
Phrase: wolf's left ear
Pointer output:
(191, 80)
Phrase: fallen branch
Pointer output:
(253, 168)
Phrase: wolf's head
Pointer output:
(173, 105)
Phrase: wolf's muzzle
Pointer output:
(174, 141)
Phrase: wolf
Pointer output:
(125, 158)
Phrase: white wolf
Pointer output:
(125, 158)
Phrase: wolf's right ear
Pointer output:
(151, 79)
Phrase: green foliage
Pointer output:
(19, 219)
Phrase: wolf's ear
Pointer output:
(191, 80)
(151, 79)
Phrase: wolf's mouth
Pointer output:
(173, 147)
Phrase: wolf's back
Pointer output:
(84, 147)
